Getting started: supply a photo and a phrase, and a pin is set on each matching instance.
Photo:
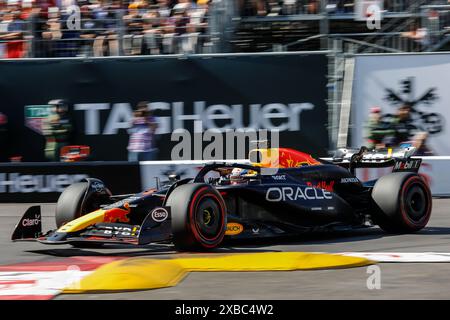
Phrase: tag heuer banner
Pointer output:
(286, 92)
(402, 98)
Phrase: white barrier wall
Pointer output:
(388, 81)
(435, 169)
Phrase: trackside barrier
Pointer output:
(434, 169)
(43, 182)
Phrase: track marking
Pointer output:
(145, 273)
(36, 285)
(44, 280)
(402, 257)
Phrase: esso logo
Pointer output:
(160, 215)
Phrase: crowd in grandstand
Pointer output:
(289, 7)
(93, 27)
(68, 28)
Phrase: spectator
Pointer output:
(132, 41)
(142, 135)
(152, 33)
(168, 37)
(164, 9)
(198, 15)
(182, 6)
(106, 17)
(88, 32)
(418, 35)
(180, 18)
(52, 33)
(11, 31)
(376, 130)
(189, 41)
(401, 126)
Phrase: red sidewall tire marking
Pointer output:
(193, 226)
(405, 216)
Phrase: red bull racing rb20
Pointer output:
(227, 200)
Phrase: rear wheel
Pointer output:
(402, 201)
(198, 217)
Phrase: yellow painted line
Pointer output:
(144, 273)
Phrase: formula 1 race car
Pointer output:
(241, 201)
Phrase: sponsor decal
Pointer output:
(234, 228)
(407, 165)
(122, 203)
(296, 159)
(118, 231)
(98, 186)
(279, 177)
(31, 222)
(277, 194)
(117, 214)
(349, 180)
(17, 183)
(217, 116)
(160, 214)
(321, 185)
(255, 230)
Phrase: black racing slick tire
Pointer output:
(402, 202)
(198, 217)
(69, 203)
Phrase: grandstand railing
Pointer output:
(406, 26)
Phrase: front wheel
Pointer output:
(402, 202)
(198, 217)
(69, 205)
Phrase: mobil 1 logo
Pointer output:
(407, 165)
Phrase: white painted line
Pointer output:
(412, 257)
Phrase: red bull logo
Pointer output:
(322, 185)
(117, 214)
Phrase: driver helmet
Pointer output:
(237, 174)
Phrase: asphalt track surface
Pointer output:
(398, 280)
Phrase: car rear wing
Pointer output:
(398, 158)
